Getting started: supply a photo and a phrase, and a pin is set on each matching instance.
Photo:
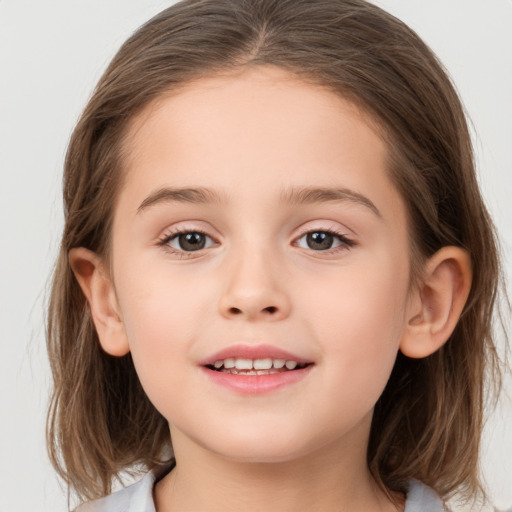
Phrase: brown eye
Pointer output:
(322, 241)
(190, 241)
(319, 240)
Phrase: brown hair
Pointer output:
(428, 421)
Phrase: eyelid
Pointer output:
(343, 237)
(182, 228)
(342, 233)
(167, 236)
(187, 226)
(326, 225)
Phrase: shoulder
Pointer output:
(137, 497)
(421, 498)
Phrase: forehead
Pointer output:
(256, 101)
(259, 129)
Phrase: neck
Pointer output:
(333, 479)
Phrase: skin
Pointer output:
(250, 139)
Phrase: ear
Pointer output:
(437, 302)
(99, 290)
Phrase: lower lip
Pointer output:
(257, 384)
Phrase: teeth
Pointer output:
(256, 364)
(234, 371)
(243, 364)
(262, 364)
(229, 363)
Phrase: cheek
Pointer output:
(161, 319)
(159, 307)
(366, 298)
(360, 316)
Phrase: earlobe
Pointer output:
(437, 302)
(98, 288)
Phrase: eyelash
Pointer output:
(169, 237)
(345, 242)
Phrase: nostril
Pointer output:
(270, 310)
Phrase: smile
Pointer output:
(252, 370)
(266, 366)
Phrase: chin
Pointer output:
(259, 449)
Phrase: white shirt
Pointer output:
(138, 497)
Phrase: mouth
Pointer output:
(262, 366)
(252, 370)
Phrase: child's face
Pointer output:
(270, 167)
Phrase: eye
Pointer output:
(323, 240)
(188, 241)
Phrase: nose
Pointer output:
(254, 289)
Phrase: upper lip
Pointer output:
(253, 352)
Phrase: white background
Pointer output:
(51, 55)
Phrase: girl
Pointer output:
(277, 276)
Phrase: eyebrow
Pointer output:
(295, 195)
(198, 195)
(311, 195)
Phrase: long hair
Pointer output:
(428, 422)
